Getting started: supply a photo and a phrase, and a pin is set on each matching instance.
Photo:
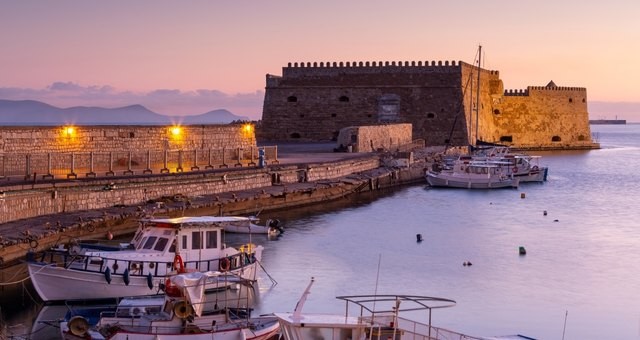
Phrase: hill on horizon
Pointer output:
(33, 112)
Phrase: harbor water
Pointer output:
(578, 280)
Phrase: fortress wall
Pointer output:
(491, 91)
(314, 103)
(544, 117)
(372, 138)
(40, 140)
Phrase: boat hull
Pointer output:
(443, 180)
(54, 283)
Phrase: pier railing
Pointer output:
(129, 162)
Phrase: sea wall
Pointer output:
(31, 200)
(112, 149)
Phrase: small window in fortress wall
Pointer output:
(333, 115)
(570, 100)
(581, 138)
(295, 135)
(292, 99)
(506, 139)
(496, 112)
(132, 135)
(344, 99)
(583, 100)
(556, 139)
(431, 115)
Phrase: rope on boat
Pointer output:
(273, 281)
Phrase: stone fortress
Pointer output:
(314, 101)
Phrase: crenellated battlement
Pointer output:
(295, 69)
(525, 92)
(517, 92)
(360, 64)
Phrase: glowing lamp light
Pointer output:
(247, 128)
(176, 131)
(69, 131)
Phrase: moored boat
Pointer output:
(250, 225)
(159, 249)
(372, 317)
(471, 174)
(180, 315)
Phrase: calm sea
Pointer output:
(580, 278)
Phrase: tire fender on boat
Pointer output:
(125, 277)
(78, 326)
(150, 281)
(107, 275)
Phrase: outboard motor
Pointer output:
(275, 224)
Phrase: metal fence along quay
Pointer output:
(129, 162)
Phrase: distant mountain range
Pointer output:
(31, 112)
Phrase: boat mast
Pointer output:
(478, 94)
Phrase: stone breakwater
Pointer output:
(93, 209)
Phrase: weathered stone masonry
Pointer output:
(313, 101)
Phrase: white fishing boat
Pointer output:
(250, 225)
(368, 317)
(160, 248)
(470, 174)
(183, 315)
(372, 317)
(526, 168)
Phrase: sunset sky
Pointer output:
(190, 57)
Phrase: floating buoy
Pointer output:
(418, 237)
(522, 251)
(467, 263)
(522, 195)
(544, 213)
(556, 220)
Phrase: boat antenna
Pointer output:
(376, 289)
(478, 93)
(298, 310)
(565, 323)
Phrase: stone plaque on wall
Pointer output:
(388, 108)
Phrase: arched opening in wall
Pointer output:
(570, 100)
(583, 100)
(294, 135)
(496, 112)
(292, 99)
(333, 115)
(344, 99)
(506, 139)
(431, 115)
(556, 139)
(581, 138)
(302, 115)
(369, 115)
